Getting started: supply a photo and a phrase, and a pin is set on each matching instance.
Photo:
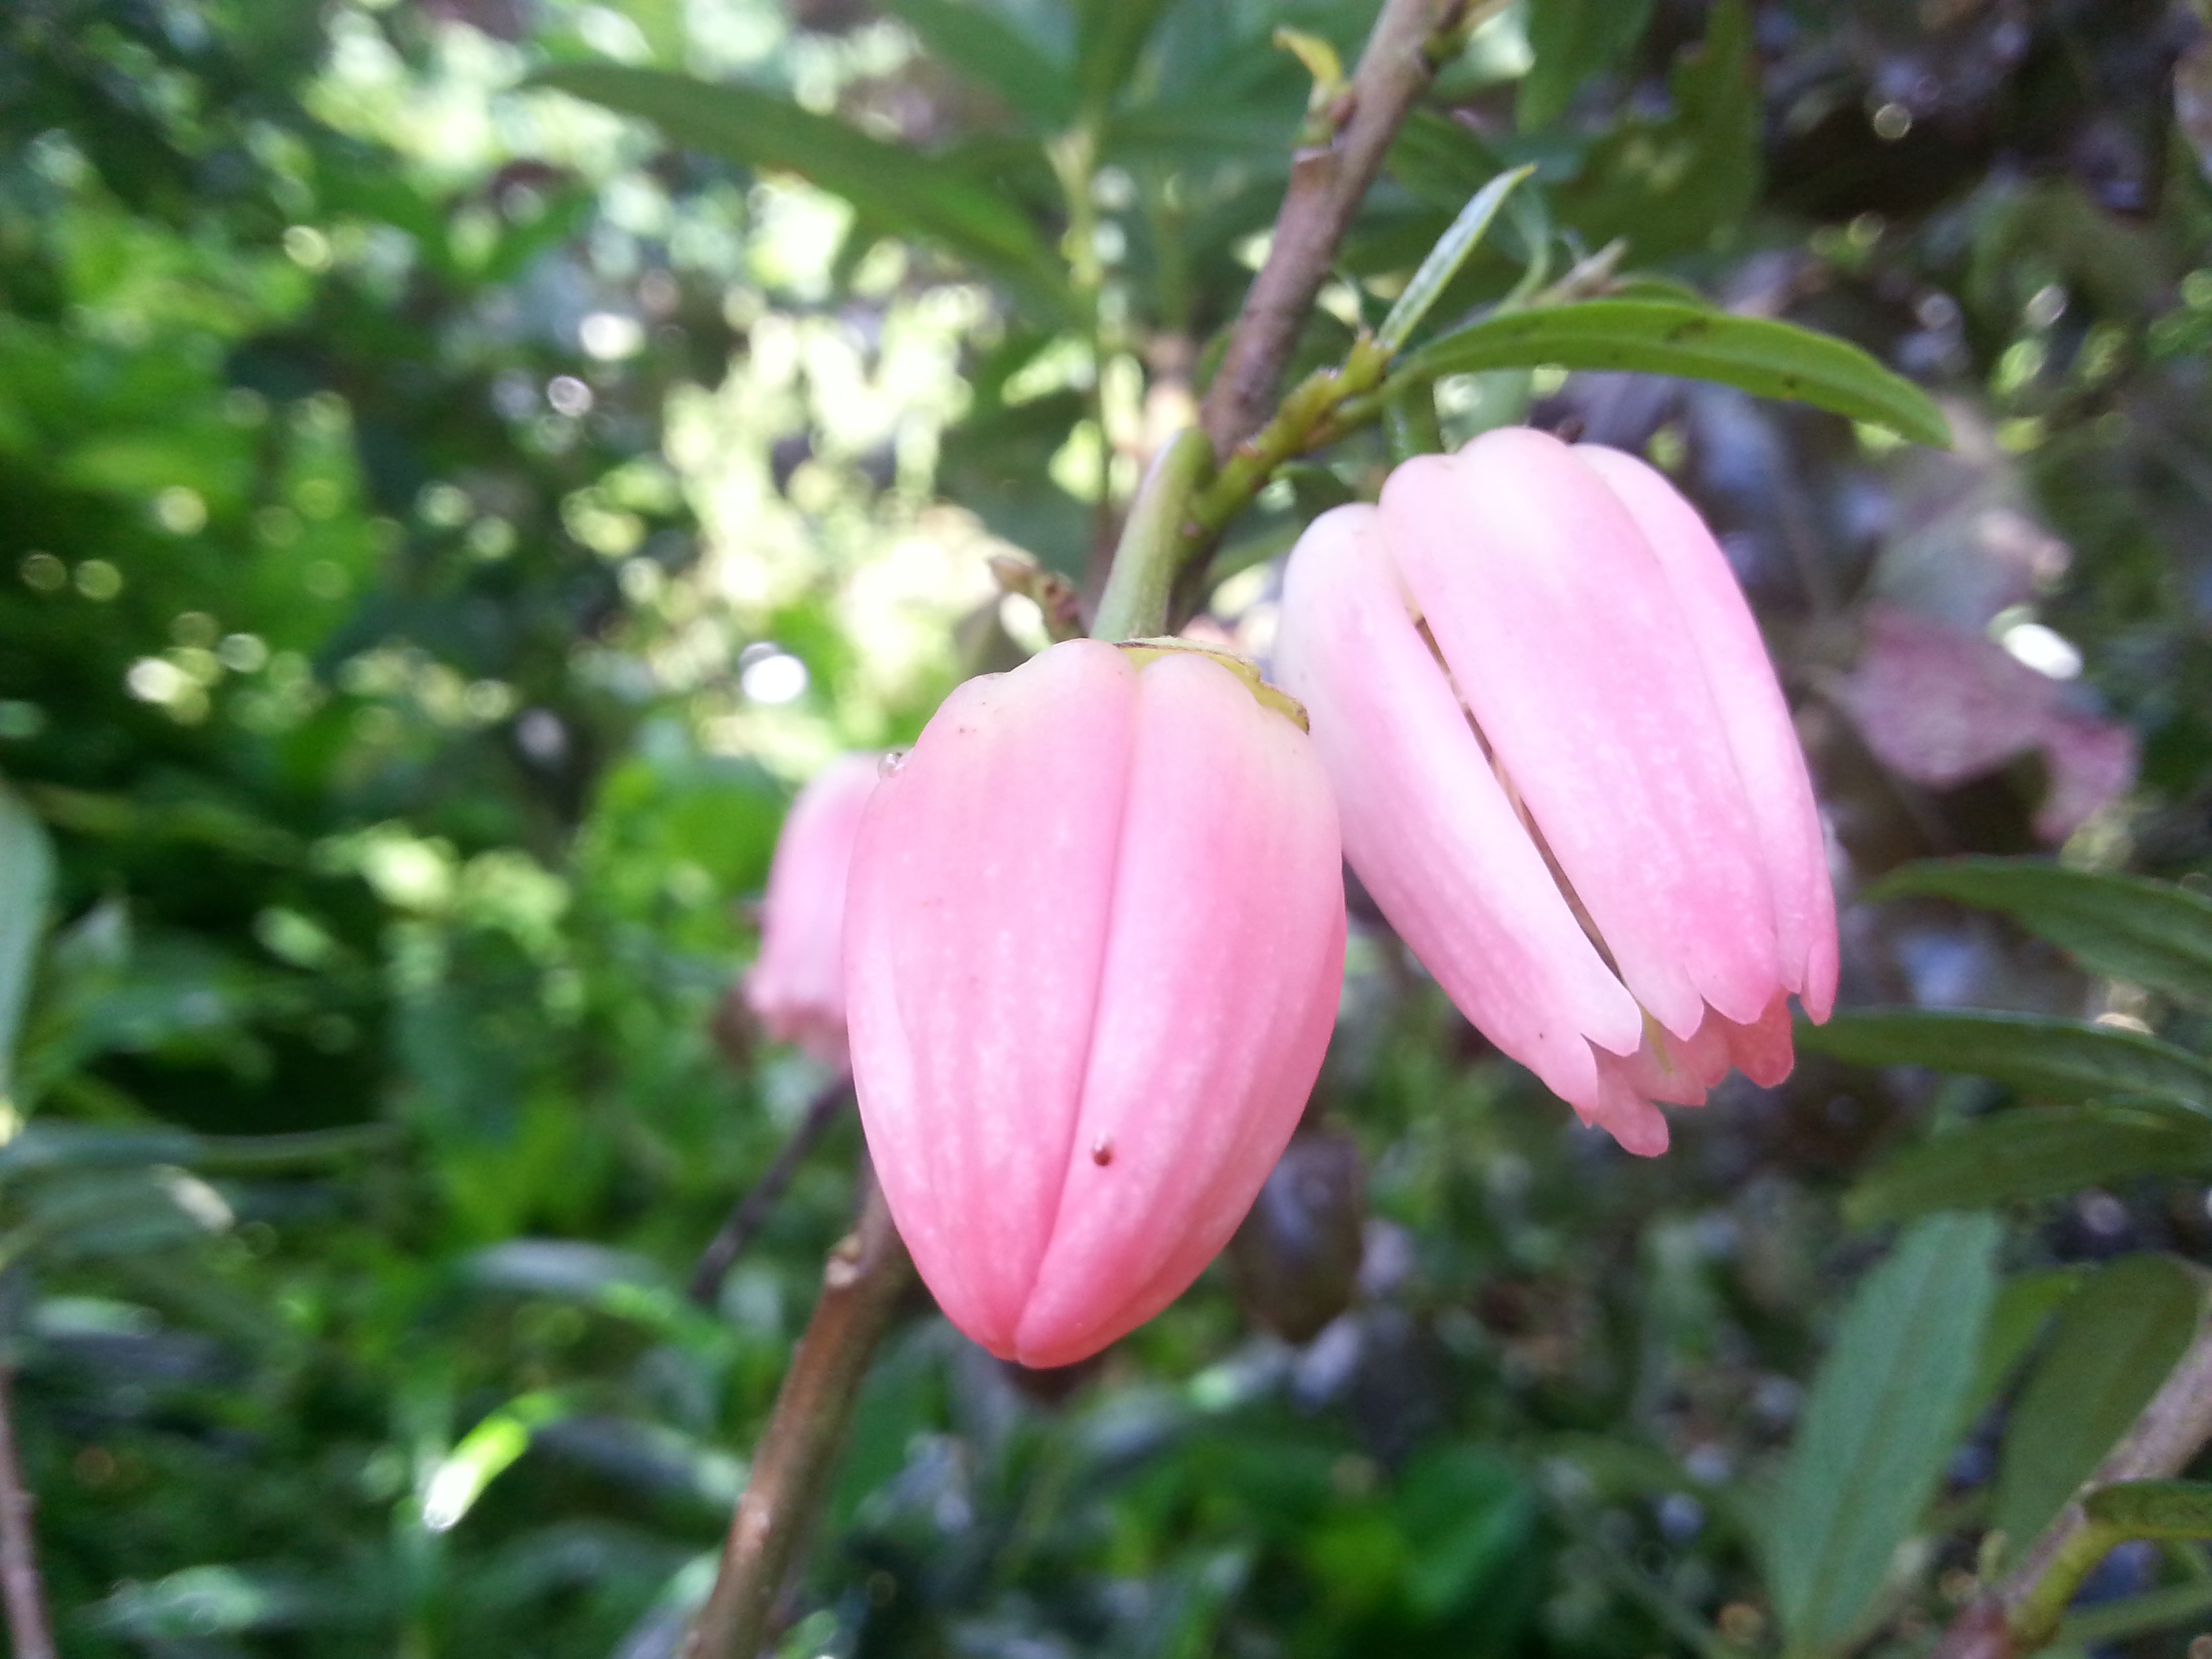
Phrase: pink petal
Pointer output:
(1425, 822)
(1939, 706)
(1769, 760)
(2091, 762)
(1763, 1050)
(1224, 965)
(1680, 1070)
(1623, 1112)
(981, 888)
(796, 984)
(1565, 638)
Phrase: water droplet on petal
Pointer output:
(1101, 1150)
(889, 764)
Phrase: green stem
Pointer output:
(1150, 557)
(1074, 160)
(2036, 1615)
(1312, 415)
(1410, 426)
(2115, 1621)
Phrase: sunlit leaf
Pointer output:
(484, 1453)
(2035, 1152)
(896, 187)
(1755, 353)
(1886, 1408)
(2116, 1339)
(2059, 1058)
(2157, 935)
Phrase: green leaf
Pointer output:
(2060, 1059)
(980, 44)
(1656, 336)
(2153, 1509)
(1885, 1410)
(1439, 161)
(44, 1147)
(891, 185)
(1573, 40)
(91, 1214)
(1445, 258)
(2116, 1339)
(485, 1452)
(1193, 136)
(198, 1604)
(2035, 1152)
(1109, 35)
(1467, 1513)
(1680, 182)
(2157, 935)
(2022, 1309)
(26, 879)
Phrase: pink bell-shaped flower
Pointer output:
(797, 985)
(1095, 945)
(1566, 770)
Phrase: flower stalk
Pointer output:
(1151, 554)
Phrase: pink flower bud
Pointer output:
(1096, 944)
(1566, 770)
(797, 985)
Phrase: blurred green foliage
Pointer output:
(440, 521)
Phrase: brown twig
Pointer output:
(30, 1635)
(1328, 182)
(2018, 1614)
(750, 1213)
(861, 1285)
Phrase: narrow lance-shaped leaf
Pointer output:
(26, 874)
(2154, 933)
(2117, 1337)
(45, 1147)
(1445, 258)
(893, 186)
(1886, 1408)
(483, 1453)
(2035, 1152)
(1658, 337)
(2059, 1058)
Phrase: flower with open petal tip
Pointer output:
(1566, 771)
